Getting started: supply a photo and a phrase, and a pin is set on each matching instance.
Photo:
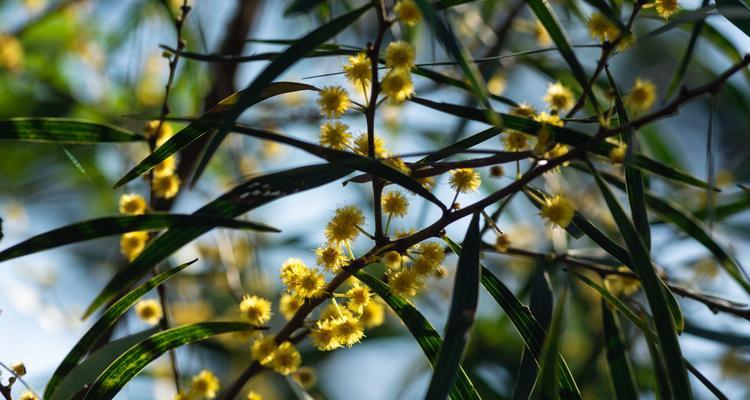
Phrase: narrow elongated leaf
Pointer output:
(528, 327)
(136, 358)
(673, 213)
(547, 386)
(687, 55)
(203, 125)
(301, 6)
(737, 12)
(437, 77)
(106, 226)
(348, 159)
(266, 56)
(64, 130)
(655, 293)
(286, 59)
(442, 30)
(547, 17)
(245, 197)
(563, 135)
(540, 305)
(463, 144)
(633, 176)
(85, 373)
(461, 315)
(101, 326)
(429, 340)
(620, 370)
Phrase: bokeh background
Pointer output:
(101, 60)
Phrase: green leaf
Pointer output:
(301, 6)
(203, 125)
(463, 144)
(737, 12)
(563, 135)
(437, 77)
(633, 177)
(429, 340)
(547, 386)
(64, 130)
(286, 59)
(528, 327)
(547, 17)
(63, 384)
(252, 194)
(348, 159)
(267, 56)
(461, 315)
(85, 373)
(620, 370)
(692, 226)
(106, 226)
(442, 30)
(136, 358)
(655, 293)
(682, 65)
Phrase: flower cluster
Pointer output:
(164, 183)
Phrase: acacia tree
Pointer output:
(588, 165)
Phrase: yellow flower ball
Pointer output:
(408, 12)
(358, 69)
(400, 55)
(255, 310)
(132, 204)
(333, 101)
(133, 243)
(165, 186)
(286, 359)
(149, 311)
(558, 211)
(395, 203)
(642, 95)
(205, 384)
(558, 96)
(464, 180)
(335, 135)
(397, 86)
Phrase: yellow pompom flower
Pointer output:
(423, 266)
(27, 395)
(432, 251)
(464, 180)
(361, 145)
(514, 140)
(165, 186)
(11, 53)
(263, 349)
(333, 101)
(163, 134)
(132, 204)
(373, 315)
(133, 243)
(205, 384)
(347, 330)
(502, 242)
(408, 12)
(253, 395)
(667, 8)
(621, 284)
(310, 285)
(358, 297)
(558, 96)
(255, 310)
(166, 167)
(330, 257)
(397, 86)
(291, 271)
(289, 304)
(558, 211)
(286, 359)
(149, 311)
(642, 95)
(395, 203)
(404, 283)
(306, 377)
(335, 135)
(358, 69)
(400, 55)
(323, 337)
(344, 224)
(617, 154)
(601, 28)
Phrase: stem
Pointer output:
(388, 223)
